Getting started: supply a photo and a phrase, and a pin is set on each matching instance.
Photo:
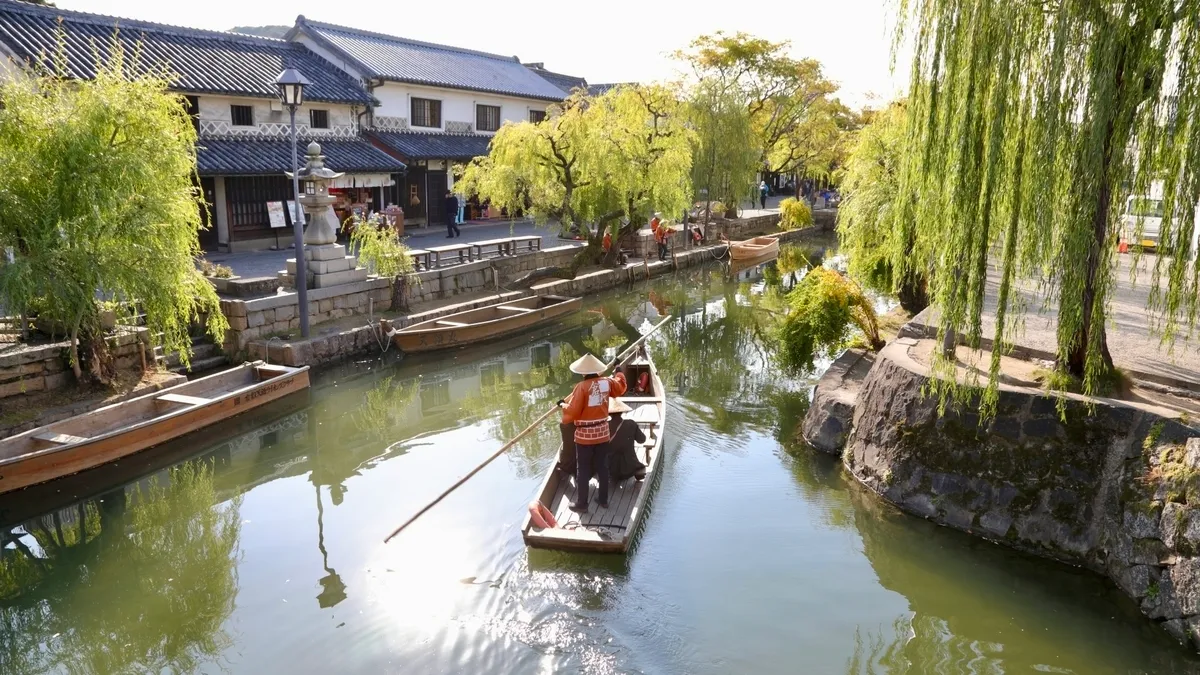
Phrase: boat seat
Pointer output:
(267, 371)
(645, 414)
(509, 308)
(182, 399)
(452, 324)
(59, 439)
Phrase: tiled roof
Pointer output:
(601, 89)
(204, 61)
(402, 60)
(567, 83)
(432, 146)
(255, 157)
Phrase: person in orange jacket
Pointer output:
(588, 411)
(662, 235)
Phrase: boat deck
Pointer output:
(616, 518)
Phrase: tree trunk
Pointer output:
(75, 366)
(913, 294)
(589, 254)
(1077, 357)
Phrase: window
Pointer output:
(426, 112)
(491, 374)
(536, 116)
(192, 106)
(242, 115)
(318, 119)
(487, 117)
(540, 355)
(435, 395)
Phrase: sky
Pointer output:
(602, 41)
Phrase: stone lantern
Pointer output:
(326, 261)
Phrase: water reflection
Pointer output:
(158, 556)
(757, 554)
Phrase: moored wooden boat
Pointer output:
(758, 247)
(115, 431)
(484, 323)
(609, 530)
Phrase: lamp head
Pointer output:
(290, 84)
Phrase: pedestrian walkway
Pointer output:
(267, 263)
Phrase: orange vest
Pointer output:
(588, 408)
(607, 241)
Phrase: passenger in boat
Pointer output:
(626, 435)
(588, 411)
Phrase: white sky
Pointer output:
(602, 41)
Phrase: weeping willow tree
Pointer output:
(871, 223)
(1029, 122)
(99, 196)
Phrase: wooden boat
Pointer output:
(121, 429)
(608, 530)
(485, 323)
(758, 247)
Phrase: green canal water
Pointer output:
(256, 547)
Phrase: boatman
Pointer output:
(588, 411)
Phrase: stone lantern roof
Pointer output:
(315, 169)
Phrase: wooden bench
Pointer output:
(59, 439)
(267, 371)
(501, 248)
(532, 242)
(451, 324)
(182, 399)
(420, 258)
(509, 308)
(463, 251)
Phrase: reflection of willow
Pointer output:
(383, 407)
(719, 357)
(924, 644)
(137, 582)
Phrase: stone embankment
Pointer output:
(258, 325)
(1110, 485)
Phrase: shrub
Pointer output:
(210, 269)
(794, 214)
(822, 310)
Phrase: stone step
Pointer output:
(202, 365)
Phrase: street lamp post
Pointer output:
(291, 93)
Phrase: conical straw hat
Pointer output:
(588, 365)
(616, 405)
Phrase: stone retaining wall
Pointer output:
(358, 340)
(1115, 487)
(260, 319)
(29, 370)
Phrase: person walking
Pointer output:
(662, 235)
(588, 412)
(762, 193)
(452, 216)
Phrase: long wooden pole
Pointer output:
(504, 448)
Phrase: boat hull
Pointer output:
(759, 247)
(614, 529)
(429, 336)
(51, 463)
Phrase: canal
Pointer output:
(256, 547)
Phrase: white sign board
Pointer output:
(275, 211)
(292, 211)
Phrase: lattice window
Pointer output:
(318, 119)
(487, 117)
(241, 115)
(426, 112)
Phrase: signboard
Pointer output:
(275, 211)
(291, 209)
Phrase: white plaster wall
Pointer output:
(216, 109)
(457, 105)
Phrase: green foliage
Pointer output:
(214, 270)
(794, 214)
(98, 195)
(592, 161)
(1028, 124)
(822, 310)
(872, 220)
(726, 156)
(377, 247)
(793, 116)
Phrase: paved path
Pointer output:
(268, 263)
(1132, 342)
